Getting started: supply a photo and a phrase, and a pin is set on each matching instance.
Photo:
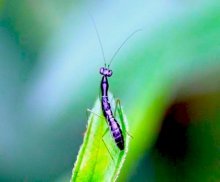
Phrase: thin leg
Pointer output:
(118, 105)
(129, 135)
(102, 117)
(89, 110)
(105, 144)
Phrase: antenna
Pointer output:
(100, 42)
(123, 43)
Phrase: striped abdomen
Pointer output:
(116, 133)
(113, 124)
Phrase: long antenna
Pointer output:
(123, 43)
(100, 42)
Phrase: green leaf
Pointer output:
(99, 158)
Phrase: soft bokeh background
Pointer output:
(167, 77)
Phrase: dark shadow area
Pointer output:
(187, 146)
(173, 139)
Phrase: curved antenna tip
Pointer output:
(123, 43)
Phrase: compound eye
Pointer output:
(101, 71)
(109, 72)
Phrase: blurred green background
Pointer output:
(167, 78)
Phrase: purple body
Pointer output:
(106, 108)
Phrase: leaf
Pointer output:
(99, 159)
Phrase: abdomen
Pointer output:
(116, 133)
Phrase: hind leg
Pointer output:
(106, 131)
(118, 107)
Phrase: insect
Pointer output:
(106, 72)
(107, 111)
